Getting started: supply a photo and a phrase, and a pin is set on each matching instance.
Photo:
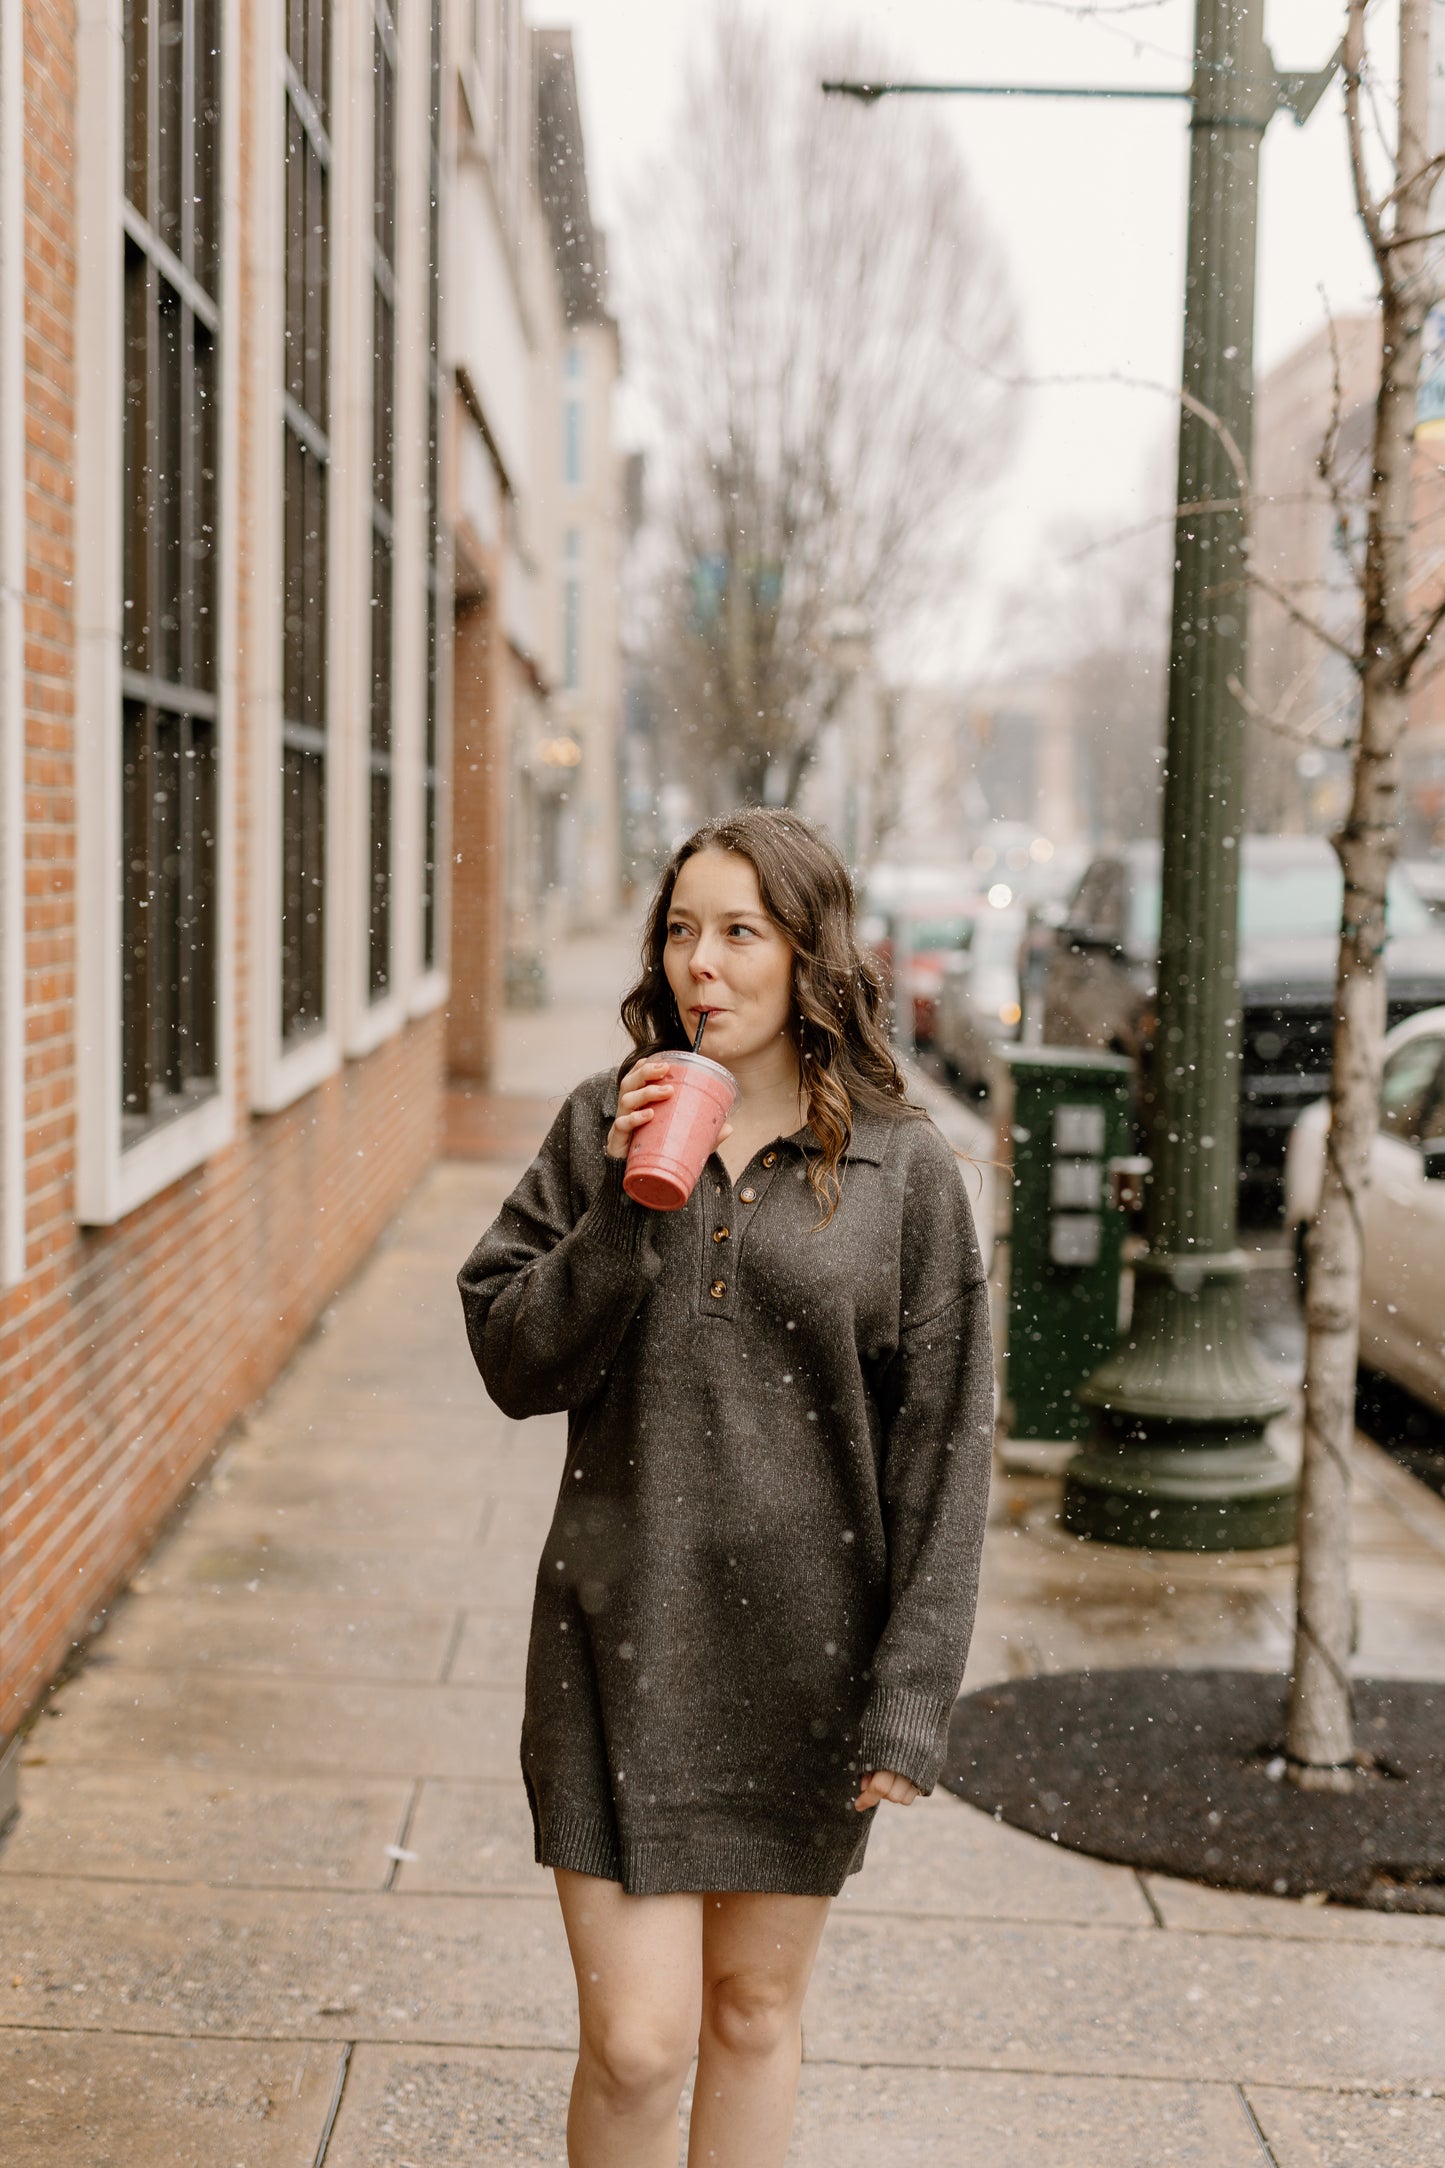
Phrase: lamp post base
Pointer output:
(1178, 1459)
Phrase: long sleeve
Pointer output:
(938, 1406)
(554, 1283)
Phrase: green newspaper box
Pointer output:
(1071, 1134)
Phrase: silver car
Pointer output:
(1402, 1307)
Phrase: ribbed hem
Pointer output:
(785, 1866)
(612, 1218)
(905, 1732)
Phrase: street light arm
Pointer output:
(1302, 92)
(870, 93)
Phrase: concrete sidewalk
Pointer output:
(271, 1899)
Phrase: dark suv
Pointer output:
(1099, 990)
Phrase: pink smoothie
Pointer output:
(667, 1154)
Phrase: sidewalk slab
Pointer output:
(193, 1825)
(278, 1636)
(978, 2119)
(452, 2108)
(201, 1719)
(473, 1838)
(465, 1574)
(87, 2101)
(212, 1963)
(1146, 2004)
(1330, 2130)
(1237, 1912)
(491, 1649)
(945, 1860)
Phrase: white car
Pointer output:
(1402, 1306)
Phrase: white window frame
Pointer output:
(112, 1182)
(281, 1073)
(12, 647)
(429, 986)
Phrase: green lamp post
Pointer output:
(1177, 1457)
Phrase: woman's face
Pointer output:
(724, 954)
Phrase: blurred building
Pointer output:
(539, 522)
(1308, 541)
(296, 306)
(1303, 696)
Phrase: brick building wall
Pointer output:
(126, 1349)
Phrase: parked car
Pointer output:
(938, 930)
(978, 1002)
(1427, 877)
(1100, 986)
(1402, 1299)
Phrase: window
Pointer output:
(572, 442)
(572, 613)
(306, 409)
(431, 783)
(171, 322)
(1408, 1087)
(383, 484)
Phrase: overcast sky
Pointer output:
(1086, 199)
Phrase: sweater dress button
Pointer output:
(747, 1195)
(719, 1287)
(770, 1159)
(720, 1234)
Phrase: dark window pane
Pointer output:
(165, 899)
(200, 508)
(170, 142)
(137, 105)
(207, 155)
(169, 579)
(380, 881)
(135, 910)
(383, 397)
(307, 485)
(136, 481)
(198, 924)
(313, 557)
(380, 644)
(171, 361)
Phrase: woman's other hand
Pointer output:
(881, 1784)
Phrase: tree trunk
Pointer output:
(1321, 1742)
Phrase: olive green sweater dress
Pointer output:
(761, 1573)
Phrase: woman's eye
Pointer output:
(675, 929)
(748, 930)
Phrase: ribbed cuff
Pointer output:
(612, 1218)
(905, 1732)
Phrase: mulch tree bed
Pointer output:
(1182, 1772)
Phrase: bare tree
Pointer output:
(805, 272)
(1394, 635)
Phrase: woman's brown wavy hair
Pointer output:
(839, 1001)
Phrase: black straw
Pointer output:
(701, 1028)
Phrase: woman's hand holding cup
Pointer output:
(642, 1087)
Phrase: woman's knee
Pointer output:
(636, 2060)
(751, 2013)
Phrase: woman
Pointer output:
(755, 1600)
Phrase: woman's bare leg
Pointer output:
(757, 1959)
(638, 1962)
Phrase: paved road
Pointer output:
(271, 1902)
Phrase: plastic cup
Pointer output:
(666, 1155)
